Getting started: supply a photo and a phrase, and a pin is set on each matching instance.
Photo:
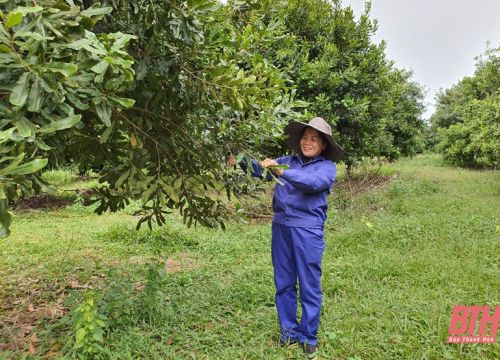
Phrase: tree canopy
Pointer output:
(467, 117)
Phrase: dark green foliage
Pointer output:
(467, 117)
(201, 90)
(56, 74)
(374, 109)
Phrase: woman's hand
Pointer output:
(270, 162)
(231, 161)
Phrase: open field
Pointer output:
(401, 253)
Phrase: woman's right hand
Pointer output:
(231, 161)
(270, 162)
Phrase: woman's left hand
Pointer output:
(270, 162)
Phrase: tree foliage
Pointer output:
(467, 117)
(56, 74)
(374, 108)
(199, 90)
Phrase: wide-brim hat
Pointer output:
(295, 129)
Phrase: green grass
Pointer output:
(399, 256)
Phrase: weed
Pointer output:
(88, 326)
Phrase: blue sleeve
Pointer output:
(312, 181)
(256, 169)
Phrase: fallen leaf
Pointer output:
(170, 340)
(32, 348)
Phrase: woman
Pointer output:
(298, 226)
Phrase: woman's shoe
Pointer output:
(311, 351)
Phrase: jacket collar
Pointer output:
(301, 159)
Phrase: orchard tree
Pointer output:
(159, 119)
(374, 109)
(201, 92)
(467, 117)
(404, 107)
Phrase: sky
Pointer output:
(437, 39)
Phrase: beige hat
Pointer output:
(295, 130)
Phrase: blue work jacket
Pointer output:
(301, 200)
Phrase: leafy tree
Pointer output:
(474, 142)
(373, 108)
(201, 90)
(403, 116)
(467, 116)
(162, 136)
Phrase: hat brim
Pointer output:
(294, 131)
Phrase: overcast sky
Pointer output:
(437, 39)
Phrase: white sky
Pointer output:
(437, 39)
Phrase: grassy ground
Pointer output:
(400, 254)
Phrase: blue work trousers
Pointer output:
(297, 253)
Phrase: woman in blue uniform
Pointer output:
(298, 227)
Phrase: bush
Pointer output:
(474, 143)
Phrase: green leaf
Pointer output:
(122, 178)
(19, 93)
(42, 145)
(121, 40)
(105, 135)
(147, 194)
(97, 336)
(25, 128)
(100, 67)
(79, 338)
(13, 19)
(96, 9)
(5, 49)
(6, 170)
(123, 62)
(35, 99)
(79, 44)
(4, 33)
(62, 124)
(6, 134)
(33, 35)
(63, 68)
(23, 10)
(104, 112)
(30, 168)
(125, 102)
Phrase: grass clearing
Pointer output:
(400, 254)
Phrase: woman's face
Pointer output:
(311, 143)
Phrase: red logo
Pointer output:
(473, 324)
